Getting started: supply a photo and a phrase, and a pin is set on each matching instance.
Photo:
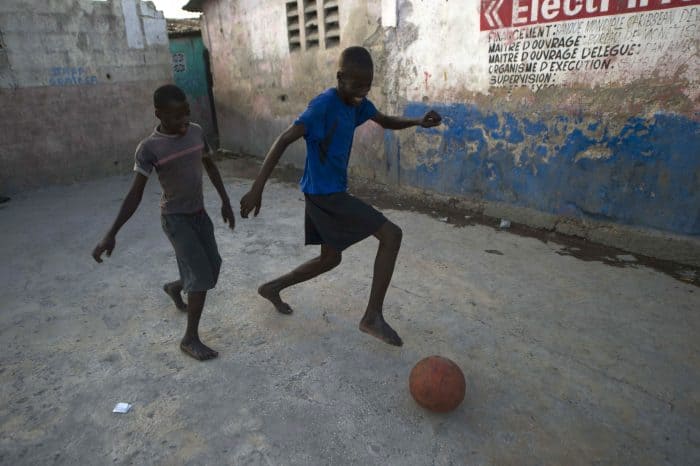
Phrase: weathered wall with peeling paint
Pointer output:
(260, 86)
(76, 85)
(606, 136)
(597, 121)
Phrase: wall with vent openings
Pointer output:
(270, 57)
(577, 116)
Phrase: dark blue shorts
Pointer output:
(339, 220)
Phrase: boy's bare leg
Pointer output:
(372, 322)
(191, 343)
(329, 259)
(174, 290)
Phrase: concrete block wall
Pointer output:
(76, 85)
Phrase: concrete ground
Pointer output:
(568, 362)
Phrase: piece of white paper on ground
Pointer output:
(122, 408)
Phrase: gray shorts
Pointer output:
(192, 236)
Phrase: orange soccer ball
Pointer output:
(437, 384)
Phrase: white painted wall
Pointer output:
(154, 27)
(132, 23)
(267, 28)
(448, 55)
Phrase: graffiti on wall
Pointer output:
(71, 76)
(545, 43)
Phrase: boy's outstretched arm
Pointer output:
(215, 177)
(430, 119)
(253, 198)
(129, 205)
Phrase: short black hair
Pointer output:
(356, 57)
(168, 93)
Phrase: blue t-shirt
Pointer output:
(329, 125)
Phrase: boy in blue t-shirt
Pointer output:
(335, 219)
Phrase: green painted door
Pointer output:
(190, 73)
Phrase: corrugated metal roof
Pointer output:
(183, 27)
(194, 5)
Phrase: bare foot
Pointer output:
(269, 292)
(378, 328)
(198, 350)
(174, 290)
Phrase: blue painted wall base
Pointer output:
(640, 172)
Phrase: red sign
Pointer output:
(497, 14)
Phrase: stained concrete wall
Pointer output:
(260, 86)
(577, 116)
(76, 85)
(582, 116)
